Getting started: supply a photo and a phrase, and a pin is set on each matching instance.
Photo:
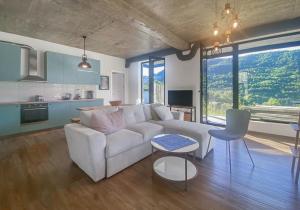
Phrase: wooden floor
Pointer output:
(37, 173)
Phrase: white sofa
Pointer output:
(101, 155)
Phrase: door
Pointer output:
(153, 81)
(217, 89)
(118, 87)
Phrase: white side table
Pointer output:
(172, 167)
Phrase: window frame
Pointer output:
(235, 70)
(152, 59)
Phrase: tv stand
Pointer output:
(189, 112)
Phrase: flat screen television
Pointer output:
(180, 97)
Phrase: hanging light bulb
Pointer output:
(235, 22)
(227, 35)
(216, 48)
(84, 64)
(227, 9)
(216, 29)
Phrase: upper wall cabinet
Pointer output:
(10, 57)
(54, 65)
(63, 69)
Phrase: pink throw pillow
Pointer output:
(107, 123)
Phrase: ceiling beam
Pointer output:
(122, 11)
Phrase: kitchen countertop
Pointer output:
(47, 101)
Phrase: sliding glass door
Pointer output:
(218, 89)
(153, 81)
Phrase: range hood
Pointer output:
(31, 66)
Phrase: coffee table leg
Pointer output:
(152, 160)
(186, 172)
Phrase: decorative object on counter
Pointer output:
(77, 95)
(67, 96)
(115, 103)
(84, 64)
(38, 98)
(89, 94)
(104, 83)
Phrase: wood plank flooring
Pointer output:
(37, 173)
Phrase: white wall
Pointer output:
(108, 64)
(186, 75)
(180, 75)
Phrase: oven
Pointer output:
(35, 112)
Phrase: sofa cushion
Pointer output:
(122, 141)
(153, 113)
(86, 116)
(107, 122)
(195, 130)
(133, 114)
(147, 111)
(147, 129)
(164, 113)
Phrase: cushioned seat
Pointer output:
(192, 129)
(223, 135)
(122, 141)
(147, 129)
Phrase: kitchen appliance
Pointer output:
(67, 96)
(38, 98)
(89, 94)
(34, 112)
(31, 65)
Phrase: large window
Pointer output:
(153, 81)
(268, 81)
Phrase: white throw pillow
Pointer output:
(147, 111)
(164, 113)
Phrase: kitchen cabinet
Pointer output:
(70, 69)
(10, 65)
(59, 114)
(54, 67)
(9, 119)
(63, 69)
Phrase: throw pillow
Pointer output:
(164, 113)
(153, 112)
(107, 123)
(147, 111)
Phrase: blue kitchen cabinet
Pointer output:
(63, 69)
(89, 76)
(54, 63)
(9, 119)
(10, 65)
(74, 105)
(70, 69)
(59, 114)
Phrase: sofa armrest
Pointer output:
(178, 115)
(87, 149)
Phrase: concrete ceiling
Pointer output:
(127, 28)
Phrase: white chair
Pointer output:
(237, 122)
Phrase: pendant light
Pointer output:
(84, 64)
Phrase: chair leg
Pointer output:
(298, 172)
(248, 152)
(208, 144)
(228, 142)
(293, 164)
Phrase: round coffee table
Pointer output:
(172, 167)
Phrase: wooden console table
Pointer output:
(189, 112)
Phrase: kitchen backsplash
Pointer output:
(24, 91)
